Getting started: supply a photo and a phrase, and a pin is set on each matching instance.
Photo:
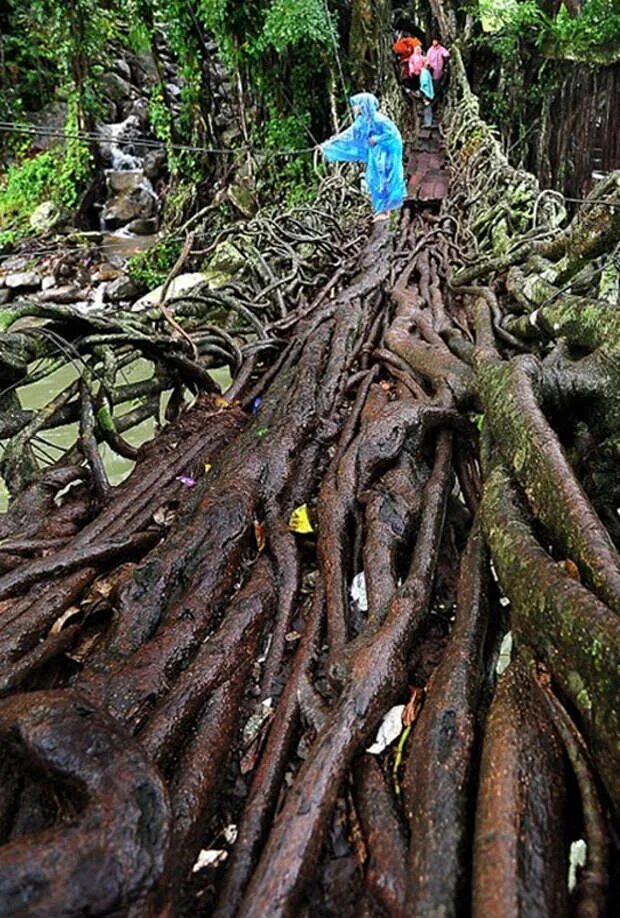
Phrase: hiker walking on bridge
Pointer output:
(416, 64)
(437, 56)
(404, 47)
(427, 90)
(374, 139)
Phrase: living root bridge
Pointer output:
(233, 672)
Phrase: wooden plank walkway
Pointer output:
(427, 171)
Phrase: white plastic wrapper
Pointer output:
(358, 591)
(209, 858)
(390, 729)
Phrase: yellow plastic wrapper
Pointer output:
(208, 467)
(300, 520)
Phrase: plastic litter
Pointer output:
(358, 591)
(186, 480)
(390, 729)
(209, 858)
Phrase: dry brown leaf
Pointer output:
(260, 534)
(164, 516)
(58, 625)
(292, 636)
(571, 569)
(413, 706)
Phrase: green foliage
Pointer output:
(24, 186)
(51, 44)
(279, 54)
(149, 269)
(59, 175)
(290, 176)
(8, 238)
(596, 32)
(295, 22)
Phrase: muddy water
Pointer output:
(127, 244)
(39, 394)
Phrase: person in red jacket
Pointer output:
(404, 48)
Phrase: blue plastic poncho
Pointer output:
(426, 84)
(384, 159)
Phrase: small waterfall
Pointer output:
(132, 206)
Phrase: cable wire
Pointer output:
(13, 127)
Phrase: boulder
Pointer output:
(142, 226)
(225, 262)
(68, 293)
(122, 180)
(52, 117)
(114, 86)
(106, 272)
(173, 90)
(154, 163)
(15, 263)
(231, 136)
(139, 202)
(23, 280)
(123, 288)
(135, 108)
(143, 70)
(184, 283)
(49, 217)
(122, 68)
(242, 195)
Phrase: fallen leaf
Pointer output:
(260, 534)
(79, 653)
(292, 636)
(571, 569)
(256, 721)
(413, 706)
(164, 516)
(299, 520)
(58, 625)
(248, 760)
(221, 402)
(208, 467)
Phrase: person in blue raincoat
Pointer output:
(427, 89)
(374, 139)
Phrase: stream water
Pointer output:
(38, 394)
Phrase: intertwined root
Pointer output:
(394, 488)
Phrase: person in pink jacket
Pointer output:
(416, 63)
(437, 56)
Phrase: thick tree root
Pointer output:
(519, 853)
(113, 849)
(195, 663)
